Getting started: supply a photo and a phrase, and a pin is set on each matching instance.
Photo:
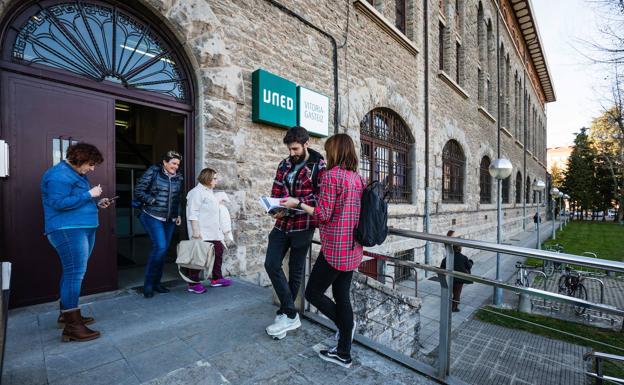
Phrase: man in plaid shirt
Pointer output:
(297, 176)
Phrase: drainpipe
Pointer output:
(498, 292)
(426, 90)
(334, 58)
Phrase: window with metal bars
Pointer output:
(505, 189)
(400, 12)
(401, 273)
(527, 190)
(453, 169)
(441, 31)
(518, 187)
(385, 143)
(485, 181)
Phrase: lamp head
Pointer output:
(500, 168)
(554, 192)
(539, 185)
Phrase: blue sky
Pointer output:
(579, 84)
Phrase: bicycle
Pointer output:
(522, 276)
(571, 284)
(549, 267)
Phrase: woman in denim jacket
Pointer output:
(159, 190)
(71, 219)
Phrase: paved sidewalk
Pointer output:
(474, 295)
(182, 338)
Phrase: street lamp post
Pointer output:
(560, 221)
(538, 186)
(566, 199)
(500, 169)
(554, 192)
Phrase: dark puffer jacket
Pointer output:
(162, 197)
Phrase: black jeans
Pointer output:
(279, 243)
(322, 276)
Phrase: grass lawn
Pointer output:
(606, 239)
(609, 337)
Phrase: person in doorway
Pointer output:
(159, 190)
(296, 177)
(205, 222)
(462, 264)
(71, 219)
(338, 212)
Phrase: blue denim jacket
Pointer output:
(66, 199)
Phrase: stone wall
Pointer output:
(386, 316)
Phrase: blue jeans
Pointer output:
(160, 233)
(74, 247)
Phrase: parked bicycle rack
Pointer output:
(600, 315)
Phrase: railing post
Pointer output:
(599, 371)
(446, 292)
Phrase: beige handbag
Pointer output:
(195, 254)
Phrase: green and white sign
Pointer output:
(313, 111)
(274, 99)
(279, 102)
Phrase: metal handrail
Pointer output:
(513, 250)
(598, 359)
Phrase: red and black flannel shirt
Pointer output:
(338, 213)
(303, 189)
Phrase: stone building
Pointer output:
(432, 90)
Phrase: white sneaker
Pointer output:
(283, 324)
(337, 335)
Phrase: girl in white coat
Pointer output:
(206, 221)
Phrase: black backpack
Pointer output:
(372, 228)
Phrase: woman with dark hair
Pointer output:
(338, 213)
(462, 264)
(159, 190)
(71, 219)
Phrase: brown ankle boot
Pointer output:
(60, 322)
(75, 329)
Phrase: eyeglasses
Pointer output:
(173, 154)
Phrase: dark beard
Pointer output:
(297, 159)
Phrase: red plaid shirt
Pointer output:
(338, 213)
(303, 189)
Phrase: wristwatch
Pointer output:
(299, 205)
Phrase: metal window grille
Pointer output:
(505, 189)
(453, 168)
(100, 42)
(401, 14)
(485, 181)
(441, 46)
(518, 187)
(402, 273)
(385, 144)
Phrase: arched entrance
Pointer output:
(96, 71)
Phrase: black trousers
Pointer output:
(457, 289)
(340, 312)
(298, 242)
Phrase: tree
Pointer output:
(607, 139)
(556, 176)
(580, 180)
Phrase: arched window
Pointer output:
(485, 181)
(100, 41)
(385, 145)
(453, 169)
(505, 189)
(518, 187)
(527, 190)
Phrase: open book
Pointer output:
(272, 206)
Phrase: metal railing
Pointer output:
(442, 371)
(598, 359)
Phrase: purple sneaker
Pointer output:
(220, 282)
(197, 288)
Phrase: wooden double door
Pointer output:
(39, 120)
